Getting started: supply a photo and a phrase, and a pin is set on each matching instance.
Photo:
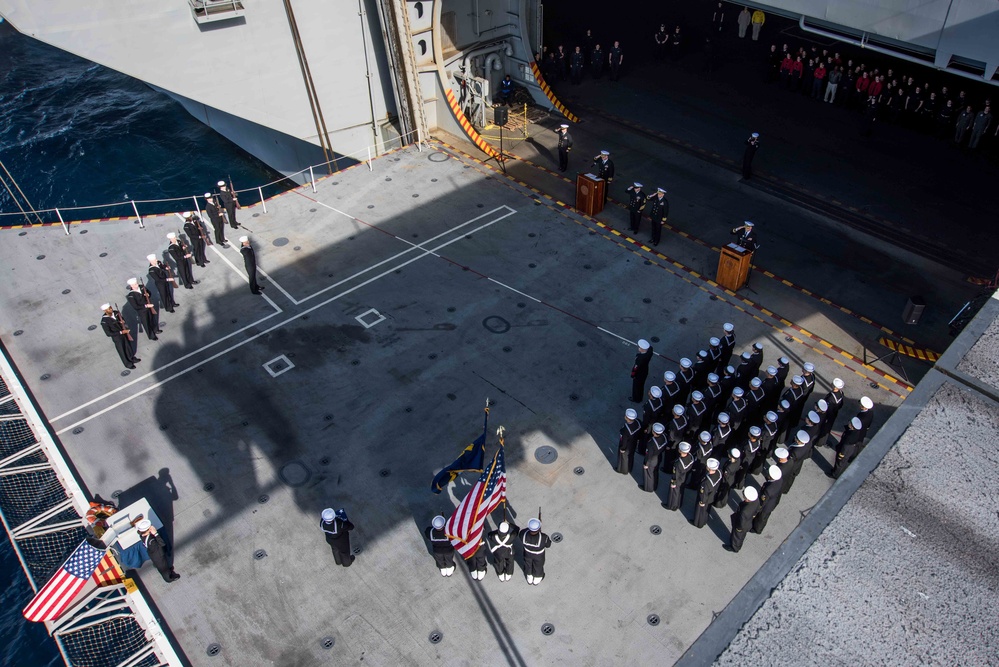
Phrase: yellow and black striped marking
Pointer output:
(910, 351)
(546, 89)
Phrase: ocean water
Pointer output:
(73, 133)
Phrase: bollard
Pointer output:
(64, 225)
(260, 191)
(136, 209)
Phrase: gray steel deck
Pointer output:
(486, 290)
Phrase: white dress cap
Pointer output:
(712, 378)
(638, 185)
(738, 392)
(781, 452)
(771, 370)
(712, 464)
(822, 405)
(669, 376)
(329, 514)
(658, 428)
(749, 224)
(797, 379)
(630, 413)
(605, 152)
(244, 239)
(171, 236)
(151, 258)
(714, 342)
(207, 195)
(564, 125)
(839, 384)
(105, 306)
(678, 410)
(755, 431)
(144, 525)
(684, 447)
(802, 437)
(728, 327)
(697, 396)
(132, 281)
(751, 493)
(723, 418)
(774, 473)
(221, 184)
(813, 416)
(856, 423)
(534, 525)
(643, 344)
(771, 416)
(809, 367)
(504, 527)
(656, 392)
(734, 453)
(704, 436)
(756, 135)
(756, 383)
(438, 522)
(686, 363)
(866, 403)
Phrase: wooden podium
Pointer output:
(590, 194)
(733, 266)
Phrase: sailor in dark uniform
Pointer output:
(144, 310)
(710, 485)
(564, 146)
(677, 425)
(158, 551)
(164, 282)
(783, 368)
(801, 450)
(747, 236)
(604, 168)
(215, 216)
(752, 449)
(194, 234)
(727, 344)
(685, 379)
(616, 58)
(866, 416)
(742, 519)
(808, 378)
(441, 545)
(630, 433)
(500, 543)
(702, 366)
(230, 201)
(769, 431)
(336, 526)
(695, 413)
(183, 260)
(682, 468)
(771, 389)
(640, 370)
(654, 451)
(659, 213)
(671, 392)
(250, 263)
(477, 563)
(737, 409)
(651, 412)
(118, 333)
(769, 497)
(636, 204)
(834, 402)
(535, 542)
(847, 448)
(752, 145)
(729, 470)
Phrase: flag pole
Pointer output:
(500, 432)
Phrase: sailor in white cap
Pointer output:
(866, 416)
(808, 377)
(655, 450)
(682, 471)
(783, 368)
(477, 563)
(742, 518)
(182, 258)
(755, 398)
(640, 370)
(500, 543)
(564, 146)
(156, 546)
(603, 167)
(141, 302)
(163, 278)
(712, 394)
(834, 402)
(441, 546)
(677, 424)
(659, 214)
(744, 371)
(114, 328)
(769, 497)
(752, 456)
(801, 451)
(250, 263)
(230, 202)
(784, 463)
(848, 446)
(630, 434)
(756, 358)
(771, 389)
(752, 145)
(795, 396)
(737, 408)
(746, 236)
(636, 204)
(336, 527)
(535, 543)
(198, 236)
(727, 344)
(729, 469)
(651, 412)
(701, 367)
(721, 430)
(671, 392)
(710, 485)
(215, 217)
(714, 353)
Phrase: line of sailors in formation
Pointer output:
(712, 431)
(500, 543)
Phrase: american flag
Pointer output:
(61, 591)
(465, 525)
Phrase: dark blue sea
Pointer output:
(73, 133)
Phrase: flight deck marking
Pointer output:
(426, 252)
(282, 364)
(564, 211)
(364, 323)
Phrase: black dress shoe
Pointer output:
(134, 359)
(159, 331)
(130, 366)
(174, 576)
(726, 547)
(262, 287)
(153, 338)
(208, 261)
(197, 282)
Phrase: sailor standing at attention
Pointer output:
(231, 202)
(441, 545)
(535, 542)
(164, 282)
(183, 260)
(500, 543)
(250, 263)
(336, 526)
(115, 329)
(215, 216)
(640, 370)
(564, 146)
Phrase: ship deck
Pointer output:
(397, 301)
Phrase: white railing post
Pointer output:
(312, 177)
(197, 206)
(136, 209)
(64, 225)
(260, 191)
(370, 168)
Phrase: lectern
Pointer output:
(733, 266)
(590, 194)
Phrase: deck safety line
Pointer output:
(830, 350)
(547, 90)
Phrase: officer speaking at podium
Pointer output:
(747, 236)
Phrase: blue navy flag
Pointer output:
(471, 459)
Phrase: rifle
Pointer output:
(121, 322)
(232, 191)
(145, 293)
(200, 224)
